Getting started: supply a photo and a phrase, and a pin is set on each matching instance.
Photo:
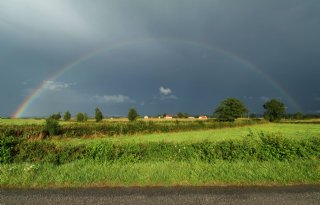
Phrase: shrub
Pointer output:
(85, 117)
(80, 117)
(8, 148)
(47, 152)
(67, 116)
(98, 115)
(253, 148)
(56, 116)
(52, 127)
(132, 115)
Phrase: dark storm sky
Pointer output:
(161, 56)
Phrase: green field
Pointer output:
(294, 131)
(41, 121)
(274, 154)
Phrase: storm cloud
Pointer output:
(160, 56)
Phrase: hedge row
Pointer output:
(121, 128)
(258, 148)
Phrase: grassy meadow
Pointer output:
(253, 154)
(292, 131)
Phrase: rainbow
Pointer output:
(73, 64)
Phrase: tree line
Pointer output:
(232, 108)
(228, 110)
(83, 117)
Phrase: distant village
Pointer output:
(168, 117)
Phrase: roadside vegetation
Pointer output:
(263, 154)
(83, 173)
(227, 150)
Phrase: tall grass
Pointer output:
(270, 154)
(121, 128)
(262, 147)
(84, 173)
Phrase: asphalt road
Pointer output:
(305, 195)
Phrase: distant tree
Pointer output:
(80, 117)
(298, 116)
(98, 115)
(182, 115)
(56, 116)
(230, 109)
(311, 116)
(288, 116)
(132, 114)
(253, 115)
(274, 110)
(85, 117)
(67, 116)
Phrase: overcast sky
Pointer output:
(159, 56)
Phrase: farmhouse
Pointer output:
(203, 117)
(168, 117)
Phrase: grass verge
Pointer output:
(84, 173)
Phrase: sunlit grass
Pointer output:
(296, 131)
(21, 121)
(40, 121)
(89, 173)
(83, 173)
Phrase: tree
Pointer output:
(274, 110)
(132, 114)
(85, 117)
(56, 116)
(98, 115)
(51, 127)
(230, 109)
(80, 117)
(298, 116)
(182, 115)
(67, 116)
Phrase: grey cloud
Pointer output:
(56, 86)
(278, 38)
(46, 17)
(113, 99)
(165, 91)
(168, 97)
(264, 98)
(166, 94)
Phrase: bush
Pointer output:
(46, 152)
(132, 115)
(257, 148)
(8, 148)
(51, 127)
(67, 116)
(253, 148)
(56, 116)
(85, 117)
(80, 117)
(98, 115)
